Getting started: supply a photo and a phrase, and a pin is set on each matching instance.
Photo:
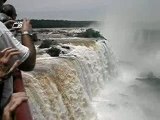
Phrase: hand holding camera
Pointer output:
(17, 25)
(26, 26)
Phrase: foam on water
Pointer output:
(126, 98)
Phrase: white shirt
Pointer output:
(8, 40)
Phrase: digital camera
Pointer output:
(17, 25)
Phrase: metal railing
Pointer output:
(22, 111)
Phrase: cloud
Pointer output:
(71, 9)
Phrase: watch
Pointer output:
(27, 33)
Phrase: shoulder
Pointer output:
(3, 28)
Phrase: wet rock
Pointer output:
(54, 52)
(47, 43)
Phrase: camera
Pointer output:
(17, 25)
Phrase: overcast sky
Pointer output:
(87, 9)
(61, 9)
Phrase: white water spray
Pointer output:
(132, 27)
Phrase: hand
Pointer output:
(5, 56)
(15, 101)
(26, 25)
(9, 23)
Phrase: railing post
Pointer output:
(23, 111)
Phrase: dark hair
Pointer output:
(9, 10)
(4, 1)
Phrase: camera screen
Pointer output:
(15, 25)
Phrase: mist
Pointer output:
(133, 29)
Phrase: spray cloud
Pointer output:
(133, 29)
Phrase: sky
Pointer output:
(60, 9)
(146, 10)
(87, 9)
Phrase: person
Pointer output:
(8, 15)
(5, 70)
(26, 57)
(9, 10)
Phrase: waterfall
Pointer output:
(62, 88)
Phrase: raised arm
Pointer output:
(27, 55)
(27, 41)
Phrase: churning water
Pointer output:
(128, 98)
(62, 88)
(88, 83)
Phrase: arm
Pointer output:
(27, 54)
(27, 41)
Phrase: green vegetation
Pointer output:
(90, 33)
(60, 23)
(151, 75)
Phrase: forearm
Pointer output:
(29, 63)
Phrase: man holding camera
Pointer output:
(14, 54)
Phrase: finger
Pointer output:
(28, 21)
(4, 50)
(6, 115)
(1, 54)
(14, 66)
(15, 96)
(18, 101)
(25, 19)
(11, 54)
(9, 22)
(11, 102)
(12, 21)
(7, 52)
(19, 94)
(9, 73)
(8, 56)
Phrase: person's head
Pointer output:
(9, 10)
